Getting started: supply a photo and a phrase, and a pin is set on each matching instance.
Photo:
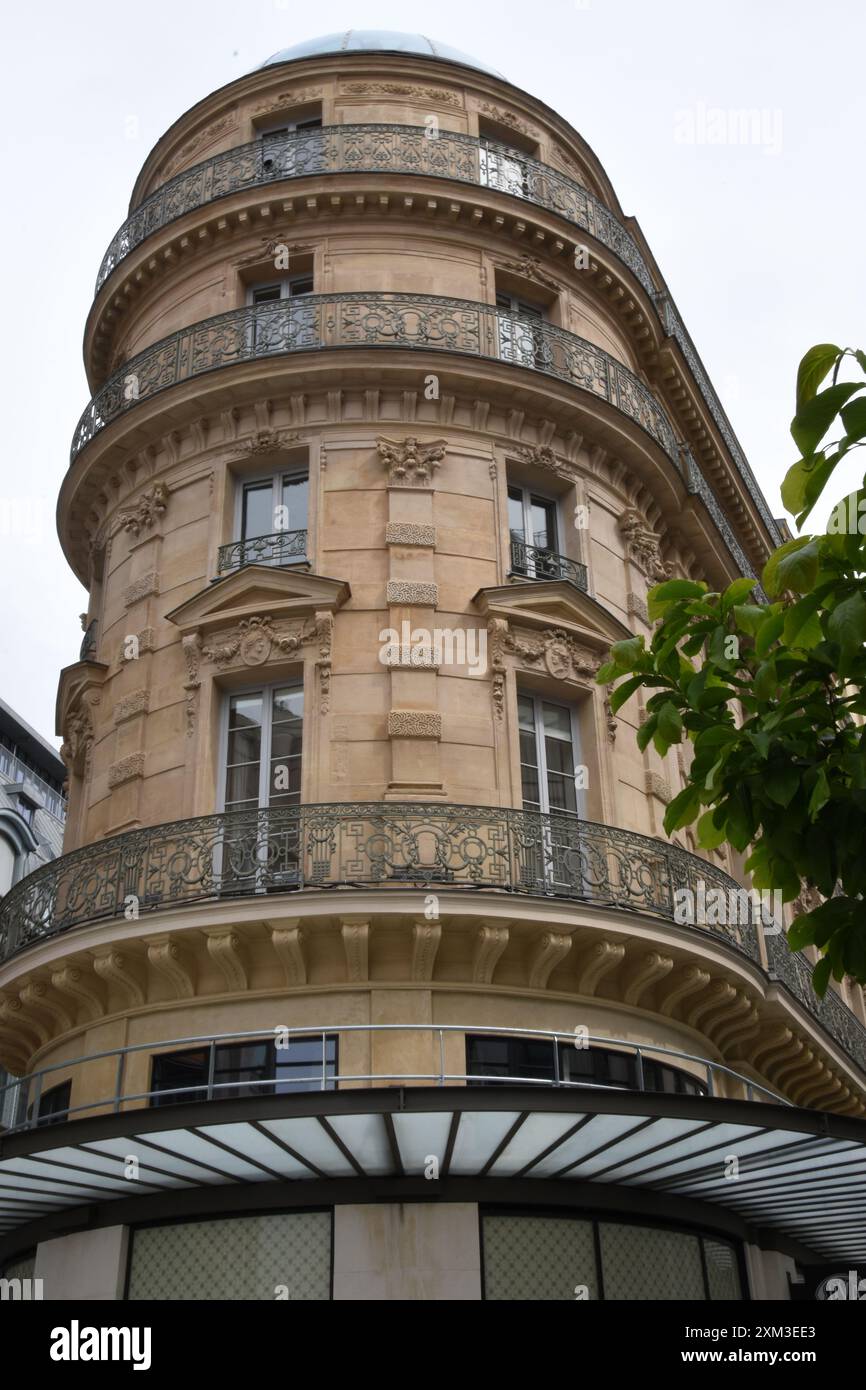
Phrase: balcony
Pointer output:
(537, 562)
(281, 549)
(385, 319)
(319, 848)
(376, 149)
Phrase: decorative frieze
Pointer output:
(266, 441)
(530, 268)
(144, 642)
(146, 512)
(414, 723)
(136, 702)
(294, 97)
(410, 533)
(404, 591)
(252, 641)
(556, 651)
(126, 770)
(143, 587)
(411, 463)
(436, 95)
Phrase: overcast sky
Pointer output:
(761, 242)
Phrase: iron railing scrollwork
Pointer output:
(282, 548)
(376, 149)
(391, 846)
(376, 319)
(537, 562)
(404, 149)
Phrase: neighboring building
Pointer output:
(394, 423)
(32, 813)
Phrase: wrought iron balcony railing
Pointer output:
(320, 847)
(28, 1091)
(282, 548)
(537, 562)
(375, 149)
(429, 323)
(88, 642)
(408, 149)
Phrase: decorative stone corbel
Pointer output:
(426, 938)
(288, 942)
(491, 940)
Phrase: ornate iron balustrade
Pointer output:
(536, 562)
(88, 642)
(376, 319)
(408, 149)
(793, 970)
(27, 1091)
(374, 149)
(282, 548)
(408, 845)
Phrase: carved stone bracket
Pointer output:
(643, 546)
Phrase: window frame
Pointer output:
(266, 690)
(276, 477)
(538, 699)
(528, 495)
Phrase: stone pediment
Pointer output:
(247, 592)
(552, 603)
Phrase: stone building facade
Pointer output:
(393, 425)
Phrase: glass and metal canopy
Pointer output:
(801, 1173)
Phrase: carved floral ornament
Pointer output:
(411, 462)
(266, 441)
(554, 650)
(254, 642)
(146, 512)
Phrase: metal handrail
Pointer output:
(540, 562)
(280, 548)
(440, 1077)
(375, 148)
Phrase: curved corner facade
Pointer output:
(365, 904)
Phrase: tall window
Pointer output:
(521, 336)
(263, 748)
(549, 755)
(532, 527)
(272, 525)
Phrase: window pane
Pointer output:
(258, 514)
(515, 513)
(299, 287)
(642, 1263)
(557, 720)
(242, 784)
(288, 703)
(244, 711)
(723, 1273)
(562, 794)
(541, 519)
(525, 712)
(264, 294)
(295, 493)
(532, 1258)
(244, 746)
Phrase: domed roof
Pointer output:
(376, 41)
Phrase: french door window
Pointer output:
(262, 782)
(549, 755)
(532, 527)
(286, 153)
(521, 334)
(272, 525)
(503, 169)
(283, 328)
